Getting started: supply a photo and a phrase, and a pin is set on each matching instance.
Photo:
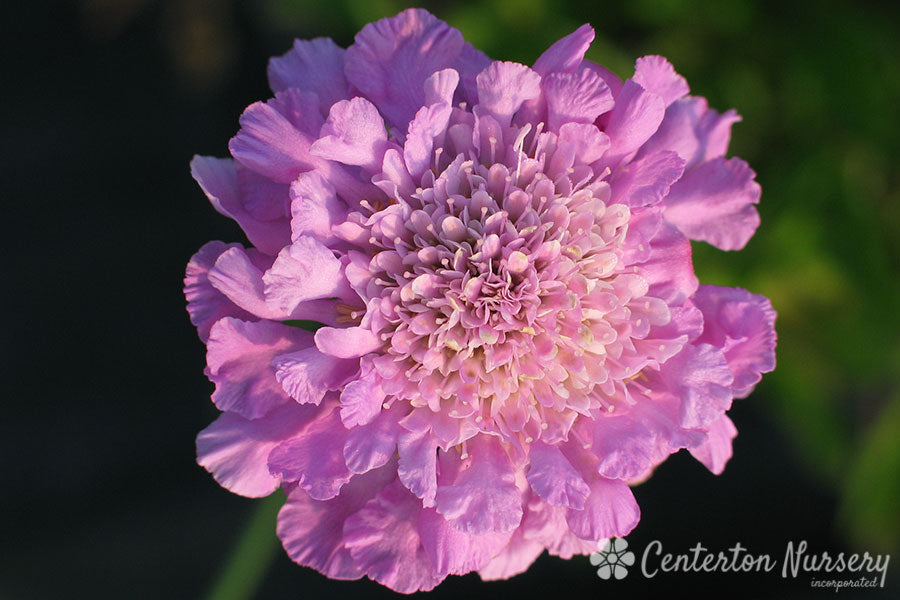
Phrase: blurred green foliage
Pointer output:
(818, 86)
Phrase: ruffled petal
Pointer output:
(263, 198)
(314, 458)
(554, 479)
(483, 497)
(693, 130)
(656, 74)
(315, 208)
(373, 445)
(700, 377)
(646, 181)
(453, 552)
(575, 98)
(312, 531)
(349, 342)
(311, 66)
(714, 202)
(515, 558)
(391, 59)
(239, 361)
(354, 134)
(417, 467)
(306, 375)
(715, 452)
(236, 450)
(384, 542)
(470, 62)
(361, 400)
(546, 525)
(440, 87)
(429, 123)
(566, 54)
(633, 120)
(269, 141)
(624, 446)
(589, 142)
(610, 511)
(236, 277)
(206, 304)
(305, 270)
(669, 269)
(504, 86)
(743, 326)
(218, 179)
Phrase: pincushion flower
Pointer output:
(497, 258)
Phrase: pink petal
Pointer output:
(308, 374)
(646, 181)
(417, 467)
(610, 511)
(395, 179)
(669, 270)
(743, 326)
(263, 198)
(624, 445)
(315, 208)
(547, 526)
(206, 304)
(715, 452)
(391, 59)
(515, 558)
(384, 542)
(714, 202)
(694, 131)
(305, 270)
(554, 479)
(311, 66)
(656, 74)
(590, 143)
(270, 143)
(312, 531)
(236, 277)
(218, 179)
(240, 279)
(440, 86)
(700, 377)
(504, 86)
(469, 64)
(567, 53)
(575, 98)
(350, 342)
(453, 552)
(612, 80)
(314, 458)
(483, 497)
(236, 450)
(429, 123)
(373, 445)
(361, 400)
(634, 118)
(354, 134)
(239, 357)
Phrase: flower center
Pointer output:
(502, 295)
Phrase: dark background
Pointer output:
(103, 104)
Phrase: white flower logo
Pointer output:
(613, 559)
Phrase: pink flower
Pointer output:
(499, 257)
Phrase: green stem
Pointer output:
(252, 555)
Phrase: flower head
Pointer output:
(497, 259)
